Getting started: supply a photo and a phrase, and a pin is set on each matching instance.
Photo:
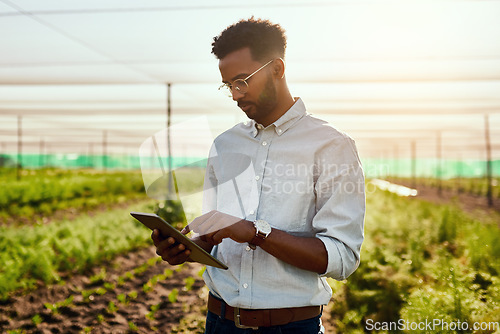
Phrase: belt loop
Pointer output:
(222, 310)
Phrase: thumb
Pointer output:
(186, 230)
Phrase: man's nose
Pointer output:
(237, 95)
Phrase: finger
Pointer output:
(163, 245)
(211, 225)
(186, 230)
(207, 238)
(193, 226)
(179, 258)
(218, 236)
(216, 222)
(203, 238)
(156, 236)
(176, 254)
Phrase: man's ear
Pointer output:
(279, 68)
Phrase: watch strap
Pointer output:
(257, 240)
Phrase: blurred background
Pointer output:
(415, 83)
(85, 84)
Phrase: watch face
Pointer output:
(263, 226)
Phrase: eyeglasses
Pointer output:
(240, 85)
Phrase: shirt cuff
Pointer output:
(342, 262)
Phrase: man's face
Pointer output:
(260, 100)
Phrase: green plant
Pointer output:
(122, 298)
(32, 253)
(111, 307)
(153, 309)
(172, 296)
(99, 277)
(420, 261)
(132, 294)
(43, 192)
(37, 320)
(132, 326)
(188, 283)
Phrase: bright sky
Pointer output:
(386, 72)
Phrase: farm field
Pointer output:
(469, 193)
(471, 186)
(94, 270)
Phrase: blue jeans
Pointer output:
(217, 325)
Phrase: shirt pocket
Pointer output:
(288, 201)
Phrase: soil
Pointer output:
(94, 315)
(34, 312)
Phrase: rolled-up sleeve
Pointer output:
(340, 208)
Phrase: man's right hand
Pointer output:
(169, 249)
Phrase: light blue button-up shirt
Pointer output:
(300, 175)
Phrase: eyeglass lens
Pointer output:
(240, 86)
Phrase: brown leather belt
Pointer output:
(249, 318)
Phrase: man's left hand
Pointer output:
(215, 226)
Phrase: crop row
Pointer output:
(44, 192)
(41, 252)
(421, 261)
(143, 296)
(123, 300)
(472, 186)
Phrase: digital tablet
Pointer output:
(198, 254)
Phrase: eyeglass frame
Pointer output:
(229, 86)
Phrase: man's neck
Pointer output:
(284, 104)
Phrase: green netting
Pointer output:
(444, 169)
(373, 167)
(93, 161)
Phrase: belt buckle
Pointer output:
(237, 320)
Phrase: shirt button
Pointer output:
(264, 143)
(245, 285)
(252, 212)
(280, 131)
(248, 249)
(257, 177)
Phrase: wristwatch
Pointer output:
(262, 230)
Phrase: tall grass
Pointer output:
(30, 254)
(421, 261)
(43, 192)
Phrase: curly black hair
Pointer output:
(265, 39)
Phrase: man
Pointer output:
(300, 202)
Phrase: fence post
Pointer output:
(439, 164)
(413, 165)
(19, 146)
(488, 160)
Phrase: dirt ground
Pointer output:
(120, 301)
(93, 314)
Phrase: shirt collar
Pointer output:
(285, 121)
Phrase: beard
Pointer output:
(268, 98)
(265, 104)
